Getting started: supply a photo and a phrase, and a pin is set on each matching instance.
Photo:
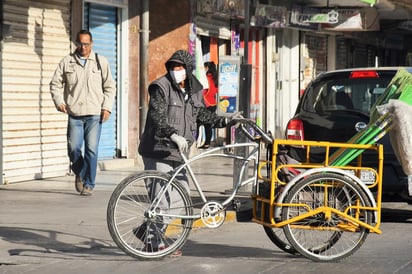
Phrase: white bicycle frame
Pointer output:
(252, 154)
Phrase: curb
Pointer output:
(116, 164)
(230, 218)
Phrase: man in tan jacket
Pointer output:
(83, 88)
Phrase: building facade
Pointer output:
(279, 45)
(36, 35)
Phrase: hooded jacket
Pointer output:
(173, 111)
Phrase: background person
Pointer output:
(82, 87)
(209, 97)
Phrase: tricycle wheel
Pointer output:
(277, 236)
(326, 235)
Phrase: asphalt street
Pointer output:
(46, 227)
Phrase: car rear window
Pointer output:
(343, 93)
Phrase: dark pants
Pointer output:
(209, 128)
(170, 203)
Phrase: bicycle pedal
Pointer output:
(236, 204)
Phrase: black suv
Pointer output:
(336, 105)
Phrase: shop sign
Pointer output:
(206, 6)
(366, 19)
(233, 8)
(371, 2)
(270, 16)
(299, 16)
(224, 8)
(322, 18)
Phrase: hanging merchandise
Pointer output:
(400, 108)
(401, 134)
(200, 70)
(195, 49)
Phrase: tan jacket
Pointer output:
(85, 90)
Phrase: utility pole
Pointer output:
(245, 68)
(143, 56)
(244, 99)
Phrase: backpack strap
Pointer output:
(99, 67)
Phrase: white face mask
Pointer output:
(178, 75)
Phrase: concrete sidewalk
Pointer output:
(45, 220)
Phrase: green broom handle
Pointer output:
(361, 138)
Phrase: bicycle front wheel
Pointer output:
(139, 228)
(326, 236)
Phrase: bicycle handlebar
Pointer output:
(267, 139)
(262, 134)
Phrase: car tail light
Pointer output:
(294, 130)
(364, 74)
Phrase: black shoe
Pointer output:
(140, 232)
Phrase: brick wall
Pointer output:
(169, 31)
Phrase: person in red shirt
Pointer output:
(209, 97)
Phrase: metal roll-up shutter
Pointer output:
(35, 38)
(101, 20)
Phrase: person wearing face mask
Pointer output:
(175, 104)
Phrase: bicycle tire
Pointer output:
(321, 238)
(277, 236)
(131, 226)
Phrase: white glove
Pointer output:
(231, 120)
(237, 115)
(180, 142)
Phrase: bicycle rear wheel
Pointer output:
(277, 236)
(142, 231)
(326, 236)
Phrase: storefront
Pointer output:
(102, 20)
(220, 34)
(33, 131)
(290, 45)
(282, 56)
(36, 35)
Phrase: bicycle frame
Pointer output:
(253, 152)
